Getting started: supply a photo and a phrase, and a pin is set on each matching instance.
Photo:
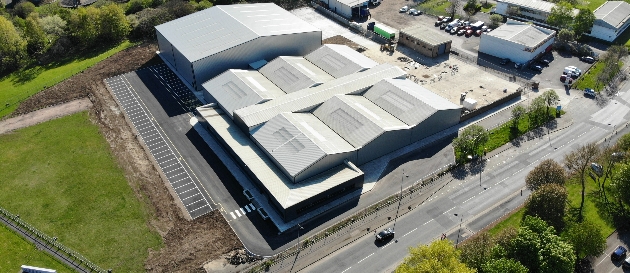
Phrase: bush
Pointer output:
(147, 20)
(23, 9)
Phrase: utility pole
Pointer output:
(298, 248)
(402, 178)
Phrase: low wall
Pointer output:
(485, 108)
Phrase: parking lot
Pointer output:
(603, 263)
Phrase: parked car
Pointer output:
(466, 23)
(626, 263)
(443, 26)
(404, 9)
(536, 67)
(563, 78)
(461, 31)
(446, 19)
(454, 30)
(545, 61)
(518, 65)
(504, 61)
(619, 253)
(590, 92)
(588, 59)
(414, 12)
(438, 23)
(440, 18)
(484, 28)
(478, 32)
(469, 33)
(385, 234)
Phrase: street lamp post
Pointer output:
(402, 178)
(298, 248)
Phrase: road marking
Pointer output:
(366, 257)
(247, 208)
(243, 211)
(346, 269)
(233, 216)
(238, 213)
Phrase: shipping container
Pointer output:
(385, 31)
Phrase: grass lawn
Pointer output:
(513, 220)
(15, 251)
(591, 210)
(487, 8)
(435, 7)
(61, 177)
(22, 84)
(594, 4)
(589, 80)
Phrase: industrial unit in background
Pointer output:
(207, 43)
(425, 41)
(517, 41)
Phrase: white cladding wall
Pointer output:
(262, 48)
(507, 49)
(340, 8)
(502, 8)
(603, 33)
(166, 48)
(437, 122)
(183, 66)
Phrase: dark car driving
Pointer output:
(385, 234)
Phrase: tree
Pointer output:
(518, 112)
(537, 111)
(23, 9)
(583, 21)
(514, 11)
(36, 40)
(53, 26)
(84, 25)
(134, 6)
(470, 139)
(495, 20)
(148, 19)
(471, 7)
(453, 8)
(547, 172)
(548, 203)
(503, 265)
(539, 249)
(477, 251)
(114, 24)
(624, 143)
(439, 257)
(576, 162)
(12, 46)
(561, 15)
(551, 98)
(620, 184)
(587, 239)
(566, 36)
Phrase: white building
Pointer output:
(528, 10)
(204, 44)
(346, 8)
(517, 41)
(611, 19)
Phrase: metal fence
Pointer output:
(70, 255)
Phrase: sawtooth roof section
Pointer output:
(299, 140)
(407, 100)
(283, 190)
(294, 73)
(235, 89)
(356, 119)
(521, 33)
(306, 99)
(613, 13)
(339, 60)
(213, 30)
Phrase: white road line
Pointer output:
(346, 269)
(252, 205)
(366, 257)
(243, 211)
(247, 208)
(238, 213)
(233, 216)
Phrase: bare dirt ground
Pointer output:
(187, 244)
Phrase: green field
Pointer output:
(591, 211)
(61, 177)
(15, 251)
(22, 84)
(513, 220)
(589, 80)
(435, 7)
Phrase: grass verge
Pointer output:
(61, 177)
(591, 210)
(15, 252)
(22, 84)
(589, 80)
(513, 220)
(435, 7)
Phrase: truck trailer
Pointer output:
(385, 31)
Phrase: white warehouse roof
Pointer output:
(218, 28)
(532, 4)
(298, 141)
(356, 119)
(339, 60)
(522, 33)
(407, 100)
(613, 13)
(306, 99)
(235, 89)
(294, 73)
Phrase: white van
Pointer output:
(570, 71)
(575, 68)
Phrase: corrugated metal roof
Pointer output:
(407, 100)
(339, 60)
(307, 98)
(281, 188)
(356, 119)
(613, 13)
(294, 73)
(521, 33)
(235, 89)
(210, 31)
(532, 4)
(426, 35)
(297, 141)
(351, 3)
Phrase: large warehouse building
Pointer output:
(302, 147)
(204, 44)
(518, 41)
(611, 19)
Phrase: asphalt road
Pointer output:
(603, 263)
(476, 206)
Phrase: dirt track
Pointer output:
(187, 244)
